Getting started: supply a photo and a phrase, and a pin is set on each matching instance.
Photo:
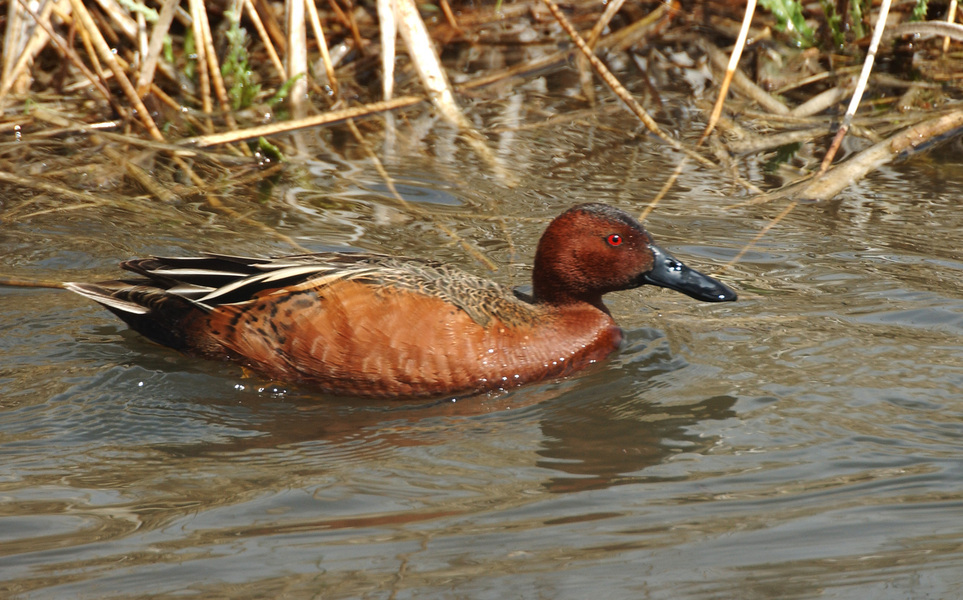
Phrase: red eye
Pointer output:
(614, 239)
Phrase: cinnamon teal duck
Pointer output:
(382, 326)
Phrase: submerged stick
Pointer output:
(31, 283)
(879, 154)
(141, 176)
(762, 232)
(35, 183)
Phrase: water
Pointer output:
(802, 442)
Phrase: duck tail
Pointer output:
(151, 311)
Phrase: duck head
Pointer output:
(592, 249)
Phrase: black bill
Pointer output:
(669, 272)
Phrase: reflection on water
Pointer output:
(801, 442)
(598, 445)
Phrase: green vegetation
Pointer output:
(919, 11)
(789, 18)
(284, 90)
(235, 69)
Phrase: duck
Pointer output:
(380, 326)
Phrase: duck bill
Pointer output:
(669, 272)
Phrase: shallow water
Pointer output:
(802, 442)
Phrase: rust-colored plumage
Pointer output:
(382, 326)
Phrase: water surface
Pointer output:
(802, 442)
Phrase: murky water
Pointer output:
(802, 442)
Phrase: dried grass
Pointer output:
(120, 72)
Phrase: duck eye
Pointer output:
(614, 239)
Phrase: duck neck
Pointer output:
(547, 290)
(556, 278)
